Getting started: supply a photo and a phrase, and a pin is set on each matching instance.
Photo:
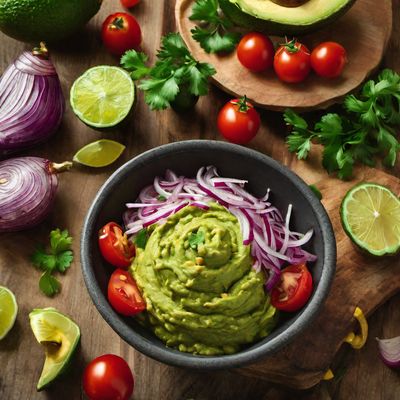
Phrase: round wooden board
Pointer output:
(364, 31)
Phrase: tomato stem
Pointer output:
(291, 46)
(117, 24)
(242, 103)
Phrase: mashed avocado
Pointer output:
(202, 294)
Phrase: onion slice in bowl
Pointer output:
(389, 350)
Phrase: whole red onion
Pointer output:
(31, 101)
(27, 190)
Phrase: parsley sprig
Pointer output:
(58, 257)
(175, 70)
(196, 239)
(214, 33)
(364, 129)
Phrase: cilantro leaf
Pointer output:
(60, 241)
(48, 284)
(42, 260)
(214, 34)
(316, 191)
(135, 63)
(174, 70)
(195, 239)
(64, 260)
(141, 239)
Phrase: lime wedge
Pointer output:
(101, 153)
(102, 96)
(8, 311)
(371, 217)
(59, 335)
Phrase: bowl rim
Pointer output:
(187, 360)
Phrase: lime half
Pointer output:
(371, 217)
(102, 96)
(8, 311)
(101, 153)
(59, 335)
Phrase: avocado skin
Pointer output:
(247, 21)
(45, 20)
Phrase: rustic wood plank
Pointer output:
(21, 357)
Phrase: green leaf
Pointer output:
(159, 92)
(60, 241)
(330, 126)
(141, 238)
(205, 10)
(195, 239)
(64, 260)
(293, 119)
(212, 41)
(48, 284)
(135, 63)
(43, 261)
(173, 47)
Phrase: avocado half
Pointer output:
(274, 19)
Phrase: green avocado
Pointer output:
(196, 276)
(274, 19)
(45, 20)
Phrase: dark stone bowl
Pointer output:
(231, 161)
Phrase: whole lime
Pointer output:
(45, 20)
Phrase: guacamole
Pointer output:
(202, 294)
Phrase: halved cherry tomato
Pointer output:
(238, 121)
(115, 246)
(121, 32)
(292, 62)
(255, 51)
(293, 290)
(129, 3)
(328, 59)
(124, 295)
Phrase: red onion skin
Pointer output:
(31, 103)
(28, 187)
(389, 351)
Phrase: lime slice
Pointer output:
(102, 96)
(8, 311)
(371, 217)
(59, 335)
(101, 153)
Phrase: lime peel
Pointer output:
(370, 215)
(100, 153)
(8, 311)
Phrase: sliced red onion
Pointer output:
(273, 244)
(31, 102)
(27, 190)
(389, 350)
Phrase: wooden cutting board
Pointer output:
(364, 31)
(360, 281)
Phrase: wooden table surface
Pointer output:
(358, 375)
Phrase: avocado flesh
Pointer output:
(60, 336)
(271, 18)
(45, 20)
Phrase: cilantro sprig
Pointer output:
(175, 70)
(195, 239)
(215, 31)
(58, 257)
(364, 129)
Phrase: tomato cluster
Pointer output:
(292, 61)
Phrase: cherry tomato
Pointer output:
(121, 32)
(328, 59)
(129, 3)
(115, 247)
(255, 51)
(108, 377)
(293, 290)
(292, 62)
(124, 295)
(238, 121)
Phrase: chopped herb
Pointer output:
(174, 70)
(141, 239)
(161, 198)
(365, 127)
(58, 258)
(215, 34)
(195, 239)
